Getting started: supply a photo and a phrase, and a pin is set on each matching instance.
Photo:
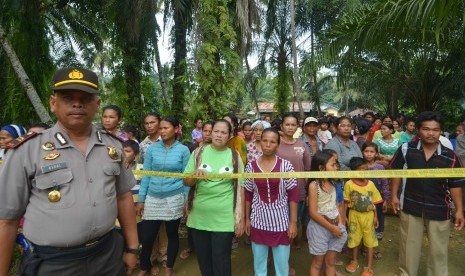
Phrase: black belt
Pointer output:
(37, 254)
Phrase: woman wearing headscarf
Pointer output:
(7, 134)
(254, 150)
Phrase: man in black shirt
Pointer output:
(426, 202)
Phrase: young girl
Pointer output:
(370, 153)
(325, 232)
(271, 207)
(388, 144)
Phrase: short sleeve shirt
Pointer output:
(361, 198)
(427, 197)
(212, 208)
(89, 186)
(344, 153)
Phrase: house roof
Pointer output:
(268, 107)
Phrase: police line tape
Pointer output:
(407, 173)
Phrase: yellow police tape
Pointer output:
(410, 173)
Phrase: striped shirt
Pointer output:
(270, 197)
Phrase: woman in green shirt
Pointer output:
(217, 212)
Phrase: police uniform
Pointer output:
(69, 200)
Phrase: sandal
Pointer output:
(352, 267)
(338, 261)
(185, 253)
(367, 271)
(338, 273)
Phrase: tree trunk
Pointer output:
(24, 79)
(161, 77)
(253, 85)
(180, 67)
(296, 65)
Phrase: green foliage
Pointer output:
(218, 62)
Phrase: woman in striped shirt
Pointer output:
(268, 220)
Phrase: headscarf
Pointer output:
(265, 124)
(14, 130)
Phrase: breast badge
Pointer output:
(48, 146)
(113, 153)
(54, 196)
(52, 156)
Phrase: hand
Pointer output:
(140, 209)
(395, 204)
(385, 207)
(459, 220)
(376, 223)
(239, 228)
(292, 230)
(199, 172)
(247, 227)
(130, 261)
(336, 231)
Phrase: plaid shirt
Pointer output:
(427, 197)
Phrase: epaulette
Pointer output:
(21, 140)
(112, 135)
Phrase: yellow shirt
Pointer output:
(361, 198)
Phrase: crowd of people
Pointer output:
(332, 215)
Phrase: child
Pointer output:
(323, 133)
(271, 207)
(131, 150)
(325, 232)
(360, 196)
(370, 153)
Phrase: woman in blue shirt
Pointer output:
(161, 199)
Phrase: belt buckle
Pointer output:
(91, 243)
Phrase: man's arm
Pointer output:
(395, 185)
(127, 220)
(456, 195)
(8, 231)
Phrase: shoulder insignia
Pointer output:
(21, 140)
(112, 135)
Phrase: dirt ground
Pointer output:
(242, 260)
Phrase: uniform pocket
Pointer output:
(61, 181)
(111, 172)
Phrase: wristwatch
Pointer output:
(135, 251)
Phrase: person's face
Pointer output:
(369, 153)
(199, 124)
(257, 132)
(129, 154)
(151, 125)
(411, 127)
(387, 120)
(269, 143)
(247, 132)
(324, 126)
(378, 122)
(369, 118)
(395, 124)
(207, 134)
(311, 129)
(74, 109)
(459, 130)
(332, 164)
(267, 118)
(344, 128)
(400, 119)
(220, 134)
(385, 131)
(110, 119)
(5, 138)
(167, 131)
(289, 126)
(429, 132)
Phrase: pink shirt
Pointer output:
(300, 158)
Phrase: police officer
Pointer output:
(70, 184)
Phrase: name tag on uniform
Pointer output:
(53, 167)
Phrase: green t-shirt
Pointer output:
(212, 209)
